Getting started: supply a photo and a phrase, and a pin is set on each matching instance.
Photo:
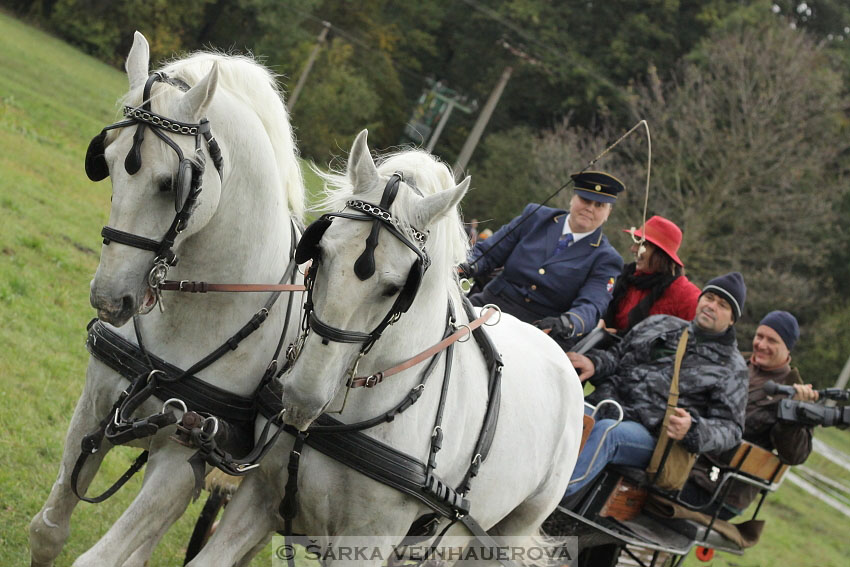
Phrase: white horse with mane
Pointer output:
(239, 231)
(537, 438)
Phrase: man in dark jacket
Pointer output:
(637, 373)
(559, 269)
(771, 360)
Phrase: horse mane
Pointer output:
(256, 86)
(447, 243)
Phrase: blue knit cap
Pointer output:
(785, 326)
(730, 287)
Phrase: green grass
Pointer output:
(53, 99)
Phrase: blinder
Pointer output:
(308, 246)
(184, 183)
(96, 168)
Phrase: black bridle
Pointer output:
(364, 267)
(189, 177)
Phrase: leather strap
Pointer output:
(204, 287)
(486, 539)
(662, 447)
(378, 377)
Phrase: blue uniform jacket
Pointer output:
(576, 282)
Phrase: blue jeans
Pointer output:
(627, 444)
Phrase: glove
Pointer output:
(464, 270)
(560, 327)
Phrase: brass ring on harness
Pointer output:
(464, 284)
(173, 401)
(497, 308)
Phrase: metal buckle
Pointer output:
(370, 380)
(246, 467)
(214, 421)
(173, 401)
(152, 373)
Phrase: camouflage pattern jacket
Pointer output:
(712, 383)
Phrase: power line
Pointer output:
(553, 52)
(361, 43)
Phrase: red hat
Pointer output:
(663, 233)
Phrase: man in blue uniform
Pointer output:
(559, 269)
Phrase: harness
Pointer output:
(347, 443)
(217, 422)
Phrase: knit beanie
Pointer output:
(730, 287)
(785, 326)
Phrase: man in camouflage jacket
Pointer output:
(637, 373)
(775, 336)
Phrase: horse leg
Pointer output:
(522, 528)
(165, 495)
(245, 526)
(143, 553)
(50, 527)
(246, 561)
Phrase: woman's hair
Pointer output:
(661, 263)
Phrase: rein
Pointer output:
(462, 331)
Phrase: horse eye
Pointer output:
(391, 291)
(165, 185)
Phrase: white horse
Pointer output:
(239, 231)
(537, 438)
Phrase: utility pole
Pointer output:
(481, 123)
(290, 104)
(450, 105)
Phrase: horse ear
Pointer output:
(361, 168)
(137, 61)
(435, 205)
(197, 99)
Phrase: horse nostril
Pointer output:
(126, 303)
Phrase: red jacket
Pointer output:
(680, 300)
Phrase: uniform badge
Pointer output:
(610, 286)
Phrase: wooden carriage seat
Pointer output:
(758, 462)
(587, 426)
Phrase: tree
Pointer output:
(749, 154)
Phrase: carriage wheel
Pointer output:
(217, 500)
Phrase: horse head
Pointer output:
(163, 190)
(369, 266)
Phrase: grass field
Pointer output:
(53, 99)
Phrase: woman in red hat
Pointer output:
(655, 283)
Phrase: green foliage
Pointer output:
(823, 345)
(343, 97)
(502, 181)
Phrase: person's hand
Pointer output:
(805, 393)
(582, 364)
(555, 325)
(464, 270)
(679, 424)
(603, 325)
